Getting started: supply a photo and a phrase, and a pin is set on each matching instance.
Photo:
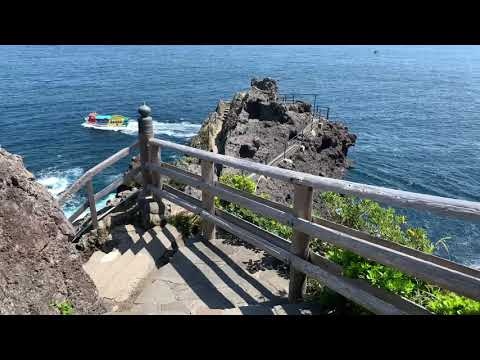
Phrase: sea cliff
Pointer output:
(257, 125)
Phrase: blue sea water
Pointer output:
(415, 109)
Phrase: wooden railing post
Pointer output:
(302, 207)
(91, 202)
(155, 158)
(208, 172)
(145, 133)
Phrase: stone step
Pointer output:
(213, 276)
(262, 309)
(124, 283)
(118, 273)
(104, 268)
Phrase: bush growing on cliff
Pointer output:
(246, 184)
(187, 223)
(370, 217)
(64, 308)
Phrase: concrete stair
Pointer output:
(118, 274)
(262, 309)
(226, 109)
(214, 279)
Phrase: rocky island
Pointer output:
(257, 125)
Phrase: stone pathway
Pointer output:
(118, 273)
(212, 279)
(154, 272)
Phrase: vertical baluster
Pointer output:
(91, 202)
(302, 207)
(208, 172)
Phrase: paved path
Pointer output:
(214, 279)
(147, 272)
(118, 273)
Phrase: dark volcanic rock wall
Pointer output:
(257, 126)
(38, 264)
(322, 152)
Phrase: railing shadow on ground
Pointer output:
(199, 284)
(194, 276)
(236, 268)
(266, 262)
(123, 241)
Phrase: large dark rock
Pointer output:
(323, 152)
(38, 263)
(259, 127)
(247, 151)
(267, 86)
(300, 107)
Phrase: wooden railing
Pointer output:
(432, 269)
(86, 180)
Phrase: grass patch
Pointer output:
(64, 308)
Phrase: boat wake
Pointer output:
(182, 129)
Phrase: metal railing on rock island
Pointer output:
(432, 269)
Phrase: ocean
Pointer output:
(415, 109)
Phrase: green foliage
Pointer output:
(187, 224)
(239, 182)
(247, 185)
(64, 308)
(370, 217)
(452, 304)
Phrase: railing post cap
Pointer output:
(145, 110)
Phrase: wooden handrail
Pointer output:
(88, 175)
(104, 192)
(441, 272)
(434, 270)
(462, 209)
(444, 273)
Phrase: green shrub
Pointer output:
(188, 224)
(64, 308)
(452, 304)
(370, 217)
(247, 185)
(239, 182)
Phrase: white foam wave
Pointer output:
(56, 180)
(182, 129)
(475, 265)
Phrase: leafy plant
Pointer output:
(370, 217)
(239, 182)
(188, 224)
(453, 304)
(65, 307)
(246, 184)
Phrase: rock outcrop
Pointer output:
(257, 126)
(39, 266)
